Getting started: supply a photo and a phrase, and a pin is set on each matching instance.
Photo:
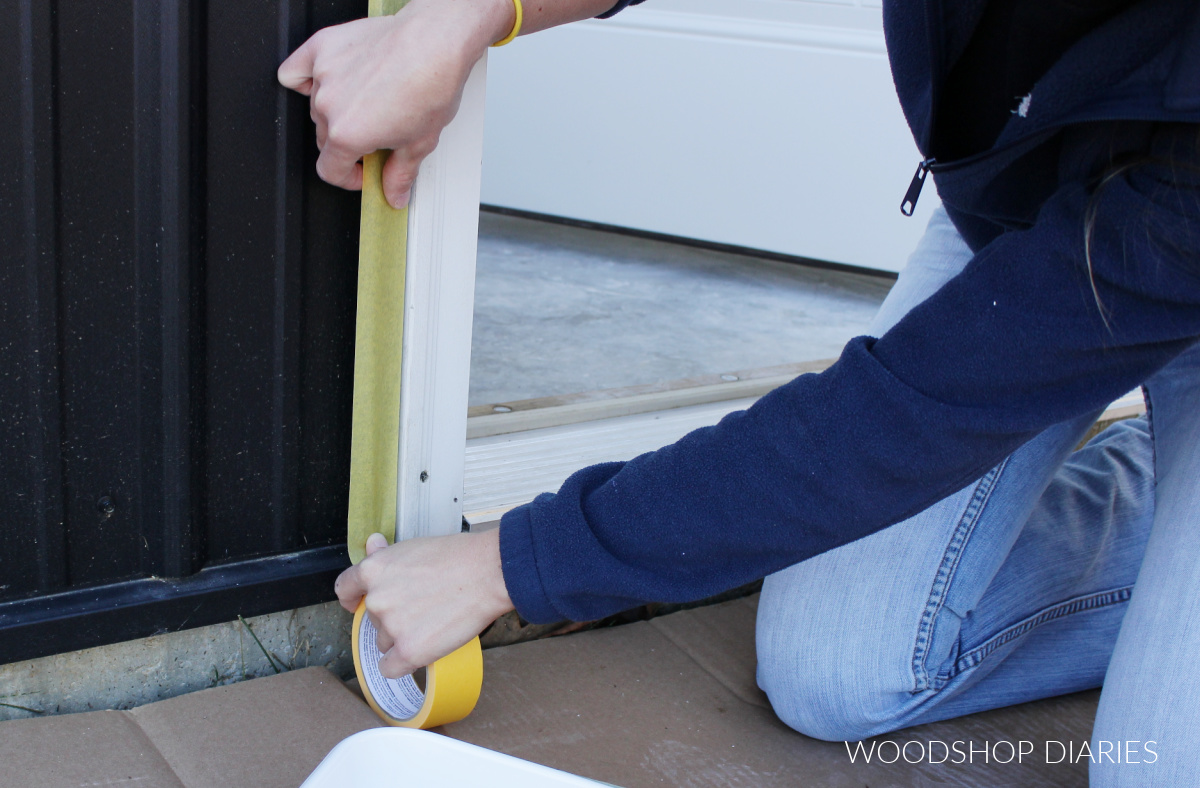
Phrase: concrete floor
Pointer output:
(560, 310)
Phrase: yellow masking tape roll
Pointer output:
(452, 684)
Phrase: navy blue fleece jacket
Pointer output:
(1014, 344)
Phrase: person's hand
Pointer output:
(391, 82)
(426, 596)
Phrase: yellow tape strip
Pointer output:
(375, 431)
(378, 339)
(452, 684)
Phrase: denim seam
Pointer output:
(1153, 443)
(1082, 604)
(946, 571)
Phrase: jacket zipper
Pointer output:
(934, 18)
(909, 204)
(933, 31)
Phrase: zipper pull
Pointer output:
(914, 189)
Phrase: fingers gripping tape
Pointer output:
(452, 684)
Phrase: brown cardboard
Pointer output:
(81, 749)
(671, 701)
(266, 733)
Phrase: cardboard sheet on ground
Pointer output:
(266, 732)
(670, 701)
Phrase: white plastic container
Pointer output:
(409, 758)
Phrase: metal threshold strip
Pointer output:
(509, 469)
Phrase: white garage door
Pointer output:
(770, 124)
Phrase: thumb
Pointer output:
(375, 543)
(295, 73)
(399, 172)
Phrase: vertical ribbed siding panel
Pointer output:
(177, 298)
(32, 536)
(105, 317)
(290, 26)
(253, 239)
(165, 254)
(330, 252)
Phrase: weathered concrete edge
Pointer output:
(135, 672)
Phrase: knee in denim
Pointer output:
(824, 692)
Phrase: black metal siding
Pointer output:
(176, 318)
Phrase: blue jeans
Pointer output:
(1059, 570)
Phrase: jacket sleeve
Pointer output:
(620, 6)
(1017, 342)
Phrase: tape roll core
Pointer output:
(452, 684)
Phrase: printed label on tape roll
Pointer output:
(401, 698)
